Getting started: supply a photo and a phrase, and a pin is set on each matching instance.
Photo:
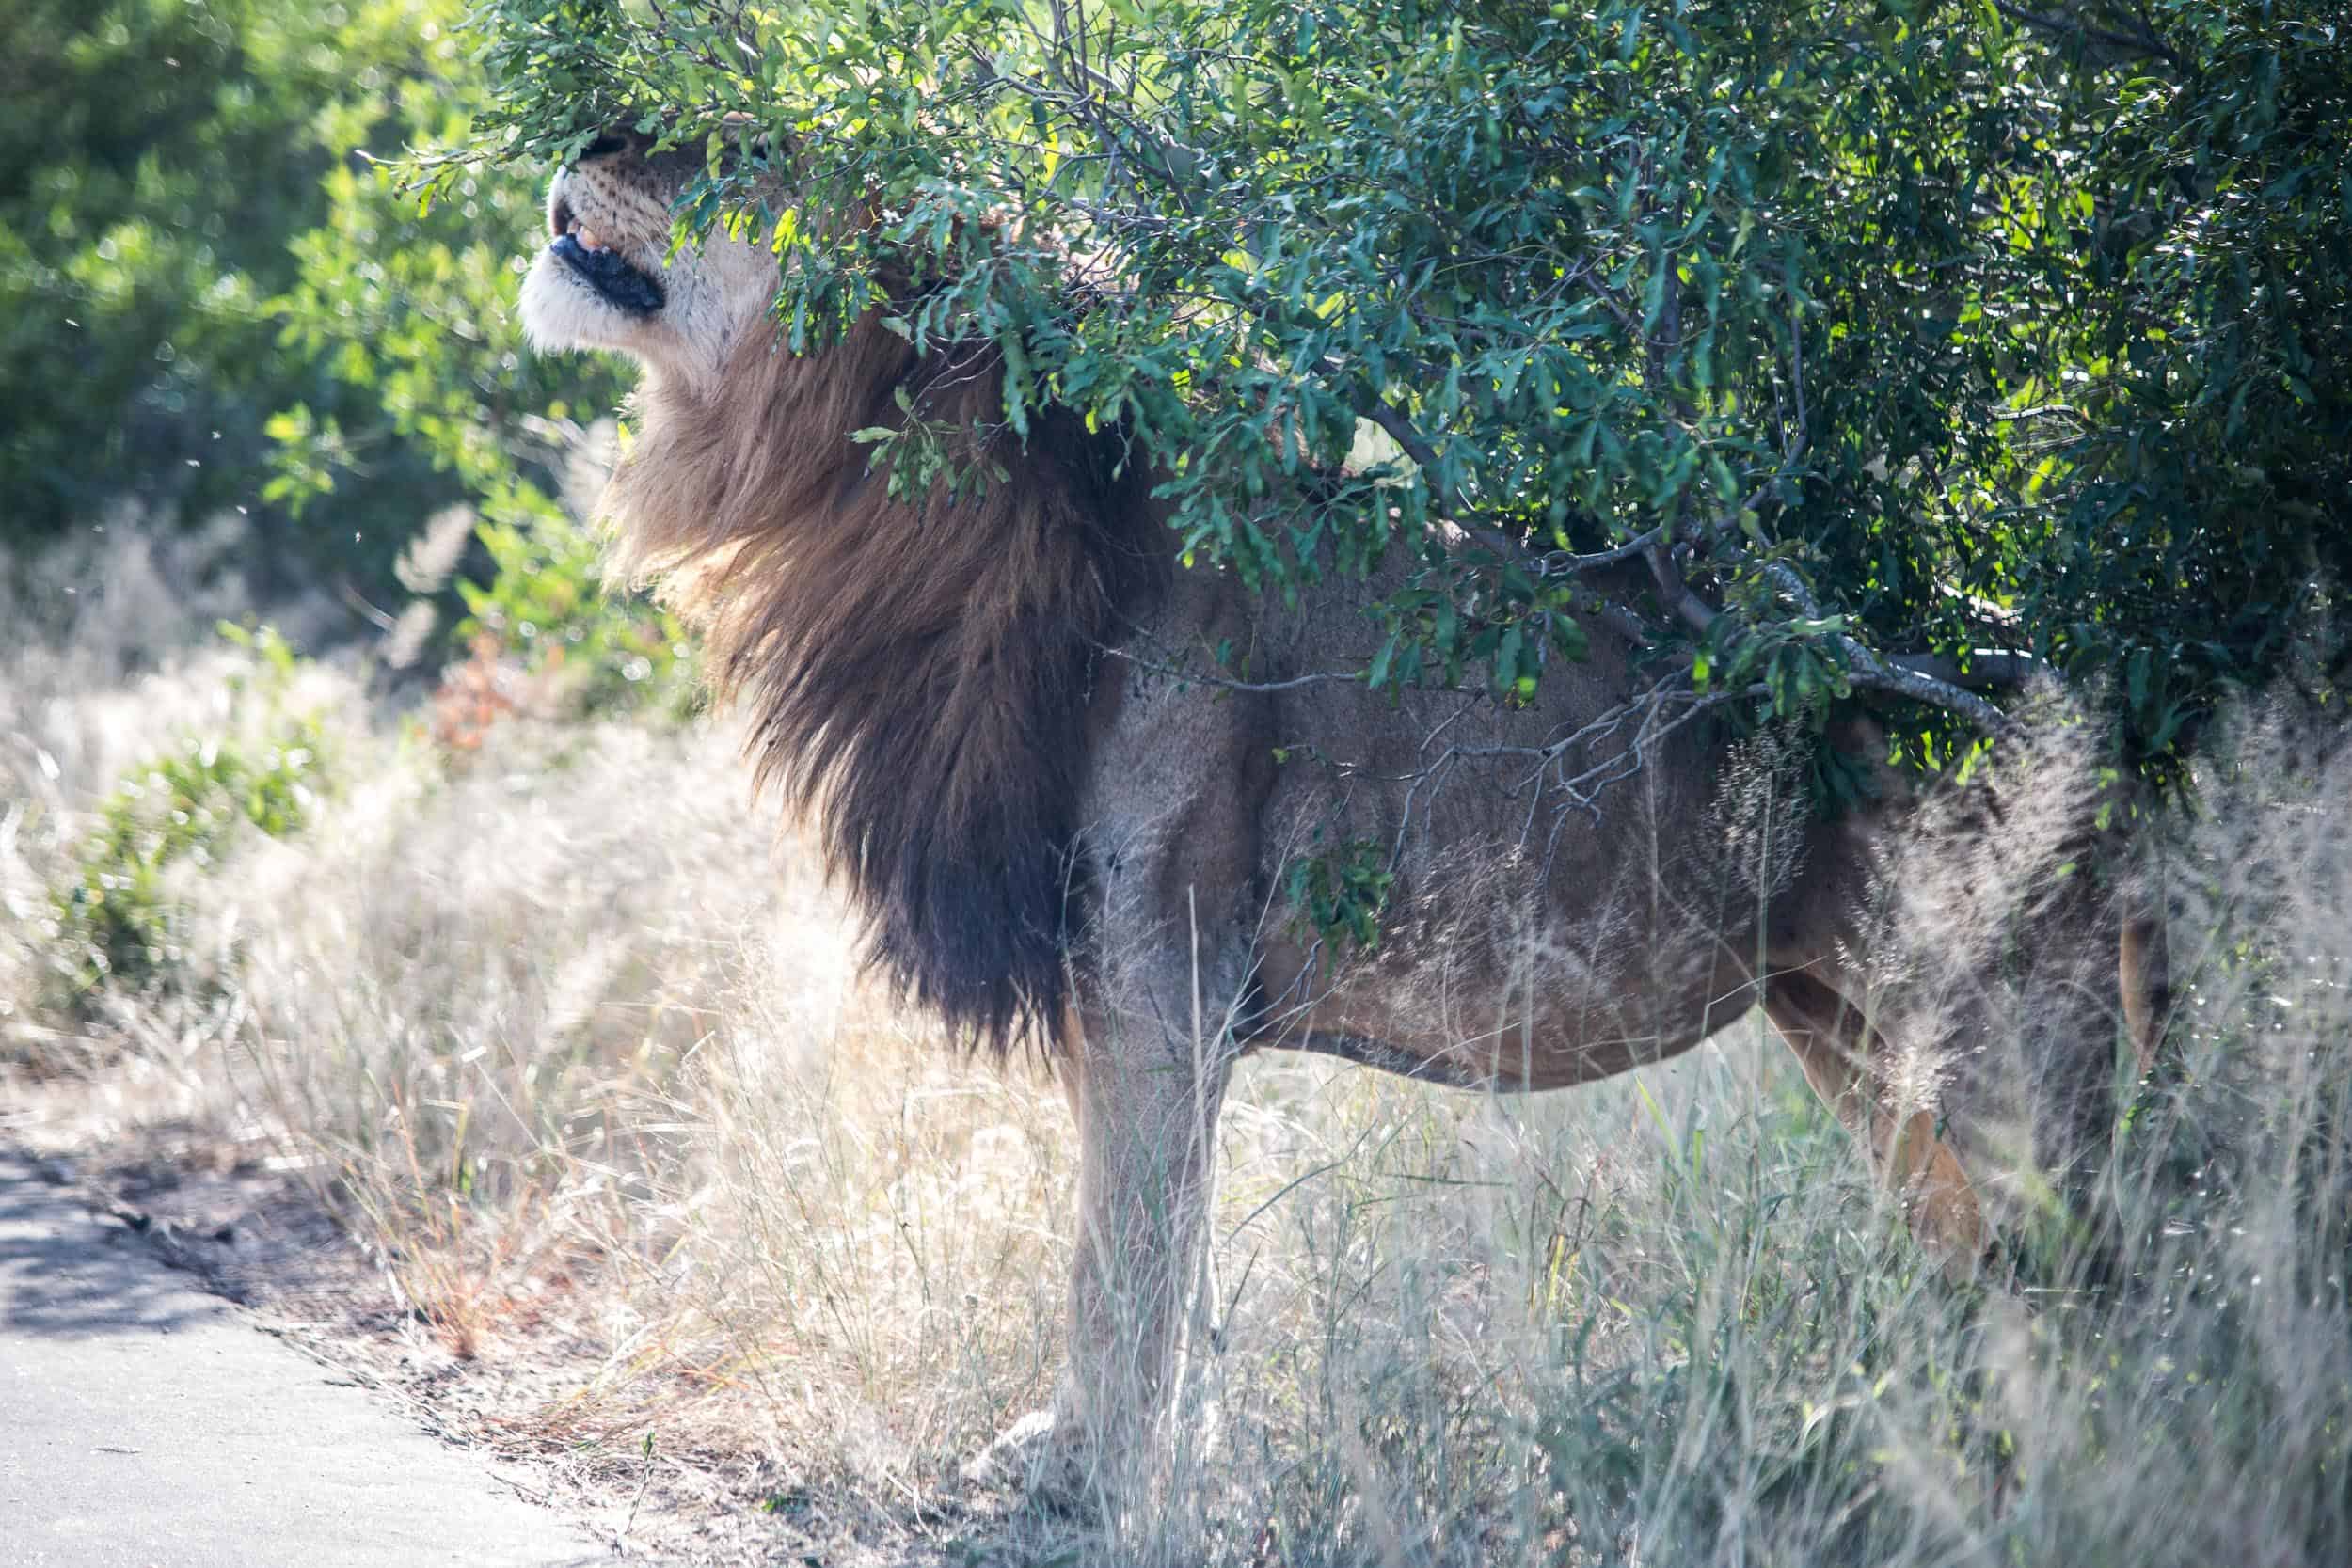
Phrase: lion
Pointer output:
(1061, 824)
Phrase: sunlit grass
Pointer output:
(575, 1046)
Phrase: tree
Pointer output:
(216, 293)
(1904, 345)
(409, 306)
(153, 159)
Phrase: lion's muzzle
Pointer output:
(587, 252)
(621, 286)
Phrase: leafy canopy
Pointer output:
(1835, 344)
(214, 294)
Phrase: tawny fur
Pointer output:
(995, 711)
(917, 673)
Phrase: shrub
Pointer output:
(547, 603)
(116, 911)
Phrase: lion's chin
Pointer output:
(562, 309)
(627, 289)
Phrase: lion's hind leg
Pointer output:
(1841, 1058)
(2144, 974)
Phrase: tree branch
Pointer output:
(1989, 669)
(2142, 40)
(1227, 683)
(1561, 563)
(1401, 431)
(1866, 670)
(1920, 681)
(1873, 673)
(1687, 606)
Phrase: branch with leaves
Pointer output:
(1845, 351)
(2115, 34)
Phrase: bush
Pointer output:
(1901, 329)
(197, 216)
(546, 601)
(117, 912)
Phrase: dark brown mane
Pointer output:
(917, 673)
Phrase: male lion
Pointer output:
(1055, 827)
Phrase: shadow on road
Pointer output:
(149, 1422)
(55, 1280)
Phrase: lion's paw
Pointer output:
(1039, 1457)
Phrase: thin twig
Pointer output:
(2144, 41)
(1226, 682)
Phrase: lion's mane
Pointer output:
(917, 673)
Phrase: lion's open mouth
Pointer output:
(582, 249)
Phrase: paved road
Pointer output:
(142, 1423)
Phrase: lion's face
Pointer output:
(607, 280)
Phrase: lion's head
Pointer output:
(608, 280)
(918, 666)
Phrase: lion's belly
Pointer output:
(1555, 898)
(1548, 1012)
(1563, 904)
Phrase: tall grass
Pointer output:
(575, 1046)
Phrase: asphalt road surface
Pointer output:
(144, 1423)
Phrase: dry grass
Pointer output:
(574, 1050)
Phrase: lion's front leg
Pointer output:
(1146, 1085)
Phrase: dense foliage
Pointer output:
(114, 919)
(215, 293)
(1870, 336)
(152, 161)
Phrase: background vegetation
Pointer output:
(216, 296)
(1859, 332)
